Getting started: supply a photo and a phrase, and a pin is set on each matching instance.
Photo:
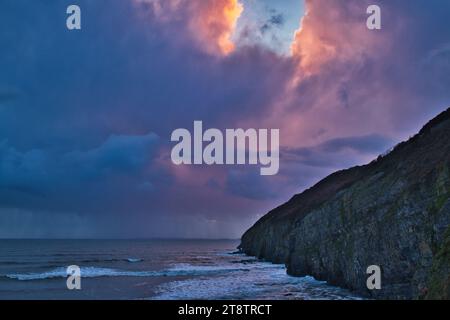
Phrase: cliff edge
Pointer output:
(393, 212)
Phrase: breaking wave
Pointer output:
(94, 272)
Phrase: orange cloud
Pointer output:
(211, 23)
(215, 22)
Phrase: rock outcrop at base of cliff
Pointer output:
(393, 212)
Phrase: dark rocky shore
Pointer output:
(393, 212)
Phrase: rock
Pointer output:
(393, 212)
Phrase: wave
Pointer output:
(51, 263)
(94, 272)
(61, 272)
(131, 260)
(266, 282)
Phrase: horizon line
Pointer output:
(139, 238)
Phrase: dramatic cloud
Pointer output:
(86, 116)
(211, 23)
(339, 152)
(49, 180)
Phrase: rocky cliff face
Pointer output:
(393, 212)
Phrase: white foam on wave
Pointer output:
(261, 281)
(233, 277)
(187, 268)
(93, 272)
(86, 272)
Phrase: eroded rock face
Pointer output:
(393, 212)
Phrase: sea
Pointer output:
(149, 269)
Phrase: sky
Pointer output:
(86, 115)
(269, 23)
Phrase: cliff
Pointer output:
(393, 212)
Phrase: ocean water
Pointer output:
(148, 269)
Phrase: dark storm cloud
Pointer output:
(249, 184)
(366, 144)
(77, 140)
(44, 179)
(335, 153)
